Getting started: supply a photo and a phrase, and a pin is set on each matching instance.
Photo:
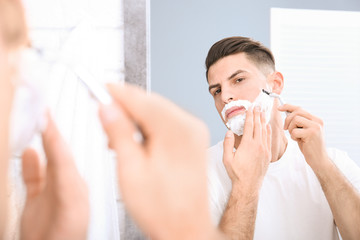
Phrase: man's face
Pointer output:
(232, 78)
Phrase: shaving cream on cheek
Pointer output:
(236, 124)
(265, 102)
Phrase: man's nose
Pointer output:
(227, 96)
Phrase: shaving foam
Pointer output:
(236, 124)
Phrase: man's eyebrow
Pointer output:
(232, 75)
(214, 86)
(236, 73)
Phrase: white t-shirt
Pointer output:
(291, 204)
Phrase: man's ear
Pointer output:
(277, 82)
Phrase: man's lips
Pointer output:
(234, 111)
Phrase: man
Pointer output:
(296, 189)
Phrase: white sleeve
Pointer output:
(214, 187)
(219, 188)
(219, 183)
(347, 166)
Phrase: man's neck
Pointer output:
(278, 142)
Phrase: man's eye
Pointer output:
(217, 91)
(239, 80)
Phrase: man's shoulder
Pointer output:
(217, 147)
(346, 165)
(341, 158)
(216, 150)
(335, 152)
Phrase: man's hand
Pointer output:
(248, 165)
(162, 180)
(343, 198)
(307, 130)
(57, 204)
(246, 168)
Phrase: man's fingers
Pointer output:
(269, 136)
(292, 115)
(298, 133)
(33, 173)
(257, 124)
(299, 122)
(287, 108)
(229, 141)
(297, 111)
(122, 133)
(249, 124)
(263, 128)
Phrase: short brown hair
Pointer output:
(13, 29)
(255, 51)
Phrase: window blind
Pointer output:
(318, 52)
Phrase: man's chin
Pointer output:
(236, 124)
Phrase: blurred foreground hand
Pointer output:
(162, 179)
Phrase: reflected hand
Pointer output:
(307, 130)
(248, 165)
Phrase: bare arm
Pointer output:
(246, 169)
(238, 220)
(343, 198)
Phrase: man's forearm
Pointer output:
(238, 220)
(343, 198)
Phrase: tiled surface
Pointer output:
(136, 42)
